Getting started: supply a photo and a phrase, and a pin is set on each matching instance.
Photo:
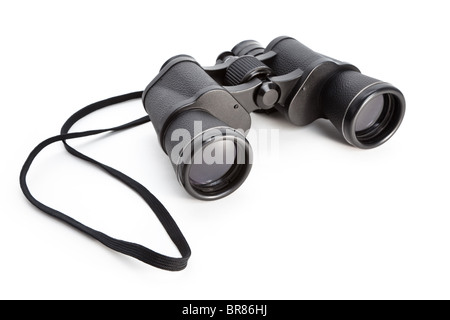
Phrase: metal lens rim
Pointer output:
(387, 123)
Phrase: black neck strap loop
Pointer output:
(131, 249)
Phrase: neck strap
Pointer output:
(131, 249)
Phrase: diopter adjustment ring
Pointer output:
(244, 69)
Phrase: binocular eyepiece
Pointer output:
(202, 114)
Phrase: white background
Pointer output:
(323, 220)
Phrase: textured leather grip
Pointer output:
(177, 83)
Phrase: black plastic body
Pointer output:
(183, 85)
(189, 111)
(332, 93)
(179, 81)
(325, 88)
(286, 76)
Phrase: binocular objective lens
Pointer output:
(377, 119)
(370, 113)
(214, 163)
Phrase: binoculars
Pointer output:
(201, 114)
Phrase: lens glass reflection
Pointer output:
(370, 113)
(216, 160)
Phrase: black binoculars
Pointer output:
(201, 114)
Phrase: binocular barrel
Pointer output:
(201, 115)
(196, 122)
(365, 110)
